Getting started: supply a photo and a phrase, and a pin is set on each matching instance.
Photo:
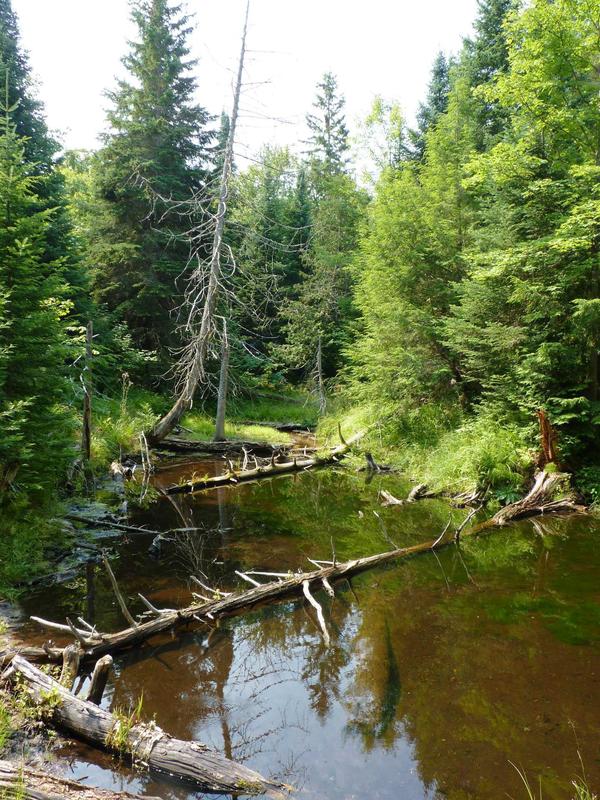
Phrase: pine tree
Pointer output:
(157, 147)
(435, 104)
(34, 446)
(329, 133)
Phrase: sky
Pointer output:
(383, 47)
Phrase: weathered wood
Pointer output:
(418, 492)
(102, 670)
(70, 668)
(270, 470)
(143, 743)
(120, 599)
(86, 433)
(24, 783)
(540, 499)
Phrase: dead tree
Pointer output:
(270, 470)
(195, 357)
(223, 382)
(145, 744)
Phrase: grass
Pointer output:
(441, 446)
(6, 728)
(580, 786)
(202, 426)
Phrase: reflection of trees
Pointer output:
(377, 724)
(485, 674)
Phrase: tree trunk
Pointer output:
(196, 368)
(223, 382)
(86, 433)
(143, 744)
(320, 382)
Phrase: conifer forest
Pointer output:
(300, 444)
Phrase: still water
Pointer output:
(441, 670)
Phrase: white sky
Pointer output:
(377, 47)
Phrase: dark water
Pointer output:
(440, 671)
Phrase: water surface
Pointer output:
(440, 670)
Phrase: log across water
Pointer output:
(207, 611)
(269, 470)
(143, 743)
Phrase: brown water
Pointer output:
(440, 671)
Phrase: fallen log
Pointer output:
(222, 606)
(145, 744)
(175, 445)
(418, 492)
(541, 499)
(269, 470)
(25, 783)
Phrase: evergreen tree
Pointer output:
(329, 134)
(488, 59)
(157, 149)
(528, 324)
(40, 152)
(410, 266)
(435, 104)
(34, 446)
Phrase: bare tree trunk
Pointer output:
(223, 381)
(320, 382)
(86, 433)
(196, 368)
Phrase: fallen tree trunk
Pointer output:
(25, 783)
(287, 585)
(144, 744)
(241, 476)
(541, 499)
(263, 449)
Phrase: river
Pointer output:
(440, 672)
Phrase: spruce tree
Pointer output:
(34, 446)
(328, 131)
(435, 104)
(487, 55)
(157, 149)
(40, 152)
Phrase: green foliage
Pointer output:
(6, 727)
(329, 134)
(118, 737)
(118, 423)
(35, 445)
(29, 539)
(156, 150)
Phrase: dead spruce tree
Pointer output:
(206, 281)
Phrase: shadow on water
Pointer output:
(440, 669)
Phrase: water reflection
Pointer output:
(439, 670)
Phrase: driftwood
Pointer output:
(25, 783)
(143, 743)
(416, 493)
(269, 470)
